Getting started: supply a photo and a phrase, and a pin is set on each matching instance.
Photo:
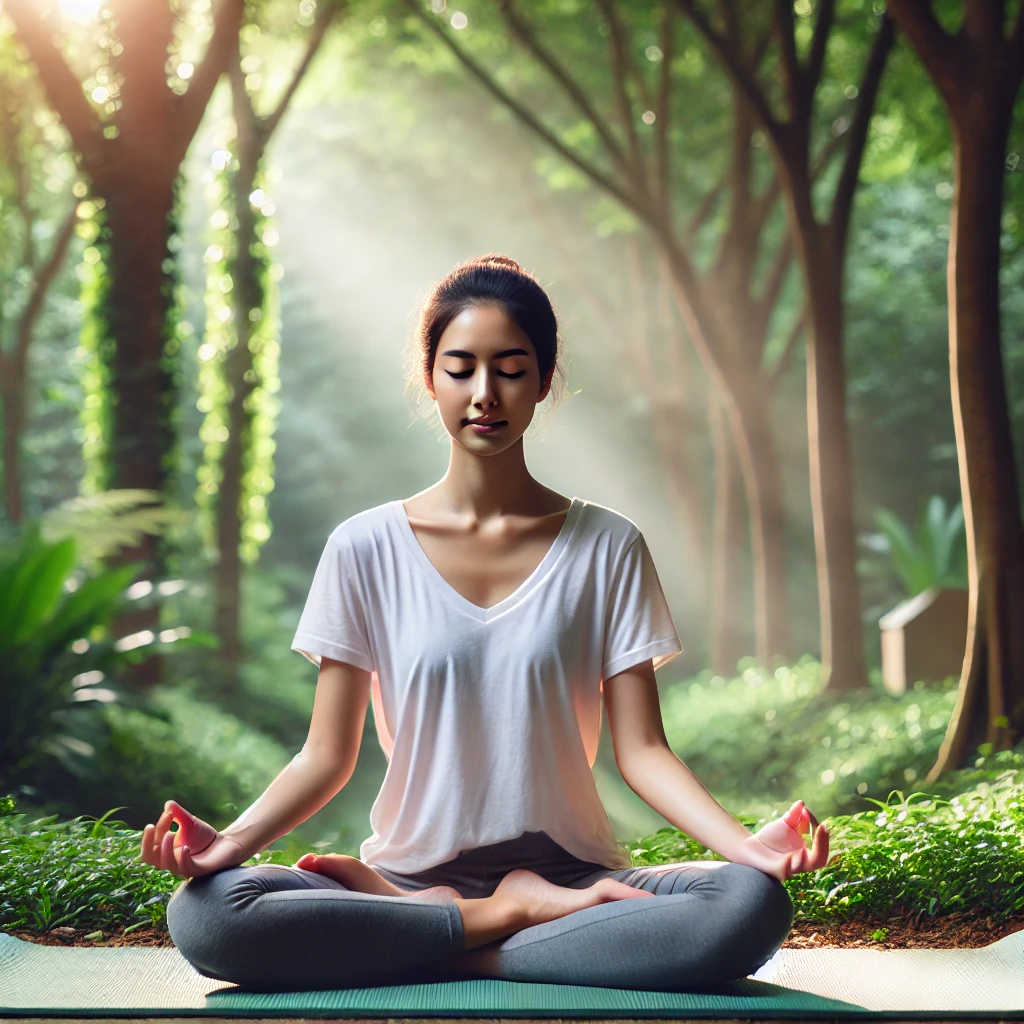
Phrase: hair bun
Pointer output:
(496, 257)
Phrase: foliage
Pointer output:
(85, 872)
(934, 554)
(176, 746)
(220, 340)
(54, 646)
(802, 742)
(919, 853)
(97, 343)
(105, 522)
(56, 602)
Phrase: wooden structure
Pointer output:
(924, 638)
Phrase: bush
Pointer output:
(764, 739)
(204, 758)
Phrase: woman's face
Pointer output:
(485, 365)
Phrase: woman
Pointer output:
(483, 618)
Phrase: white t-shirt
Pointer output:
(490, 718)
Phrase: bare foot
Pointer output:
(435, 894)
(360, 877)
(545, 901)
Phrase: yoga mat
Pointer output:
(38, 980)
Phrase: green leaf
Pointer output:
(35, 590)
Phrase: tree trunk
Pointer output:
(745, 403)
(727, 637)
(246, 295)
(828, 442)
(759, 463)
(990, 702)
(144, 388)
(14, 424)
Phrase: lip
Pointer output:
(484, 422)
(487, 428)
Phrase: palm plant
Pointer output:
(54, 643)
(933, 553)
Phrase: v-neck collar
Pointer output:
(401, 518)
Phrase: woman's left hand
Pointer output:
(779, 849)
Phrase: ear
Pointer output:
(546, 386)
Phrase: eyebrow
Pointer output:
(463, 354)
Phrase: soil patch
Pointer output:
(901, 931)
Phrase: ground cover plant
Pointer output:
(833, 751)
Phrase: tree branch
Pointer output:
(528, 39)
(41, 284)
(227, 22)
(777, 274)
(934, 45)
(842, 202)
(325, 14)
(984, 20)
(620, 72)
(594, 173)
(666, 38)
(733, 63)
(792, 73)
(782, 363)
(704, 210)
(822, 30)
(63, 89)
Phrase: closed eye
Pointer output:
(466, 373)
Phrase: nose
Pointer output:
(483, 390)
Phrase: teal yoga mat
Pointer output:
(53, 981)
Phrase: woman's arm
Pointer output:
(320, 769)
(660, 779)
(653, 771)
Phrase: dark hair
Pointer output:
(491, 280)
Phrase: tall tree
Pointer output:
(977, 71)
(130, 140)
(821, 249)
(725, 308)
(248, 334)
(19, 140)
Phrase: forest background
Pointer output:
(177, 176)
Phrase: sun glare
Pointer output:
(80, 10)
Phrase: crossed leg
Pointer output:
(711, 922)
(275, 928)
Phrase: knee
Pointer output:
(762, 910)
(201, 918)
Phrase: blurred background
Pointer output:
(218, 219)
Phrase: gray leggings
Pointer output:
(278, 928)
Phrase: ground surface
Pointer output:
(954, 931)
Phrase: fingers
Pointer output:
(166, 859)
(819, 851)
(152, 838)
(185, 866)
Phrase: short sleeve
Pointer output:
(638, 623)
(333, 621)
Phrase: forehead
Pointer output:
(484, 331)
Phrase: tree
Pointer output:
(130, 141)
(725, 310)
(18, 140)
(239, 413)
(977, 71)
(821, 248)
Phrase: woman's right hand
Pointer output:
(197, 848)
